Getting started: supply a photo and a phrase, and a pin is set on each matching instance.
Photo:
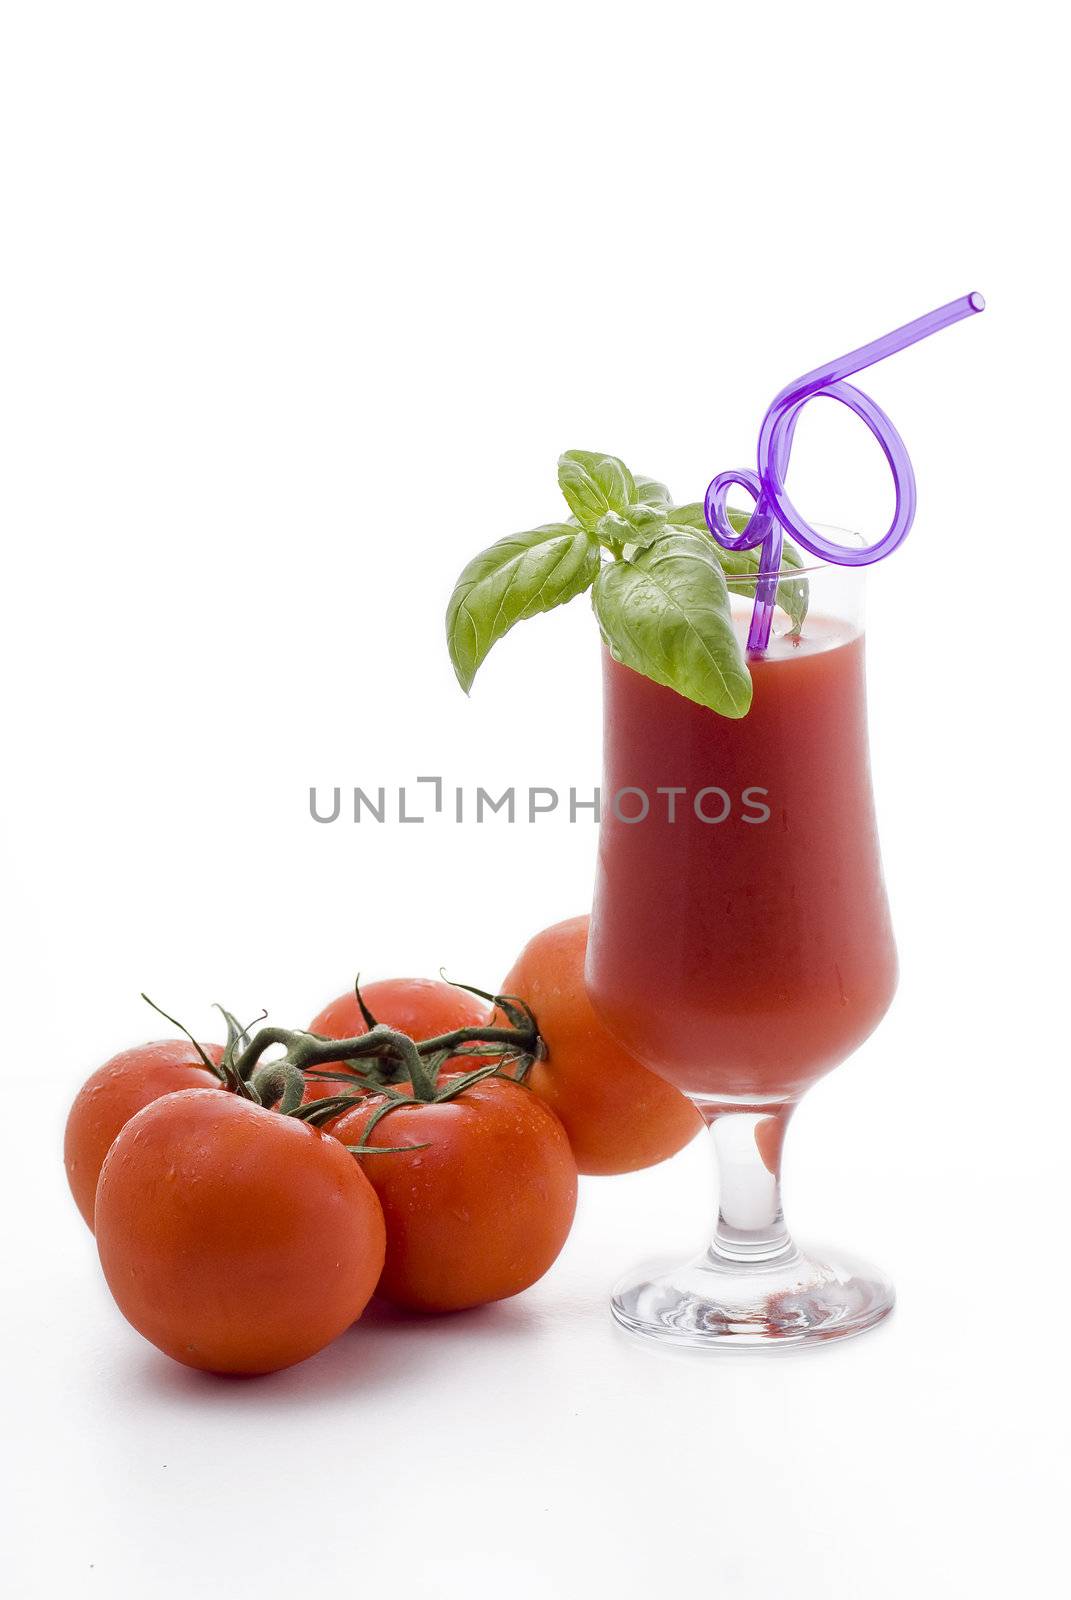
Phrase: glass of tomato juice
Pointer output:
(741, 945)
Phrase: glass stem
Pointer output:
(747, 1139)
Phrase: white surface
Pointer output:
(301, 304)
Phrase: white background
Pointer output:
(301, 302)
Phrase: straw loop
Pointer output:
(774, 513)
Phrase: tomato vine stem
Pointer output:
(279, 1084)
(226, 1071)
(310, 1053)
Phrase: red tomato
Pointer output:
(770, 1138)
(420, 1007)
(235, 1239)
(109, 1098)
(619, 1115)
(423, 1008)
(483, 1211)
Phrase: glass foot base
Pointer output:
(796, 1297)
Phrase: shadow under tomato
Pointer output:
(502, 1318)
(371, 1355)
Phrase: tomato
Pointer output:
(770, 1138)
(235, 1239)
(619, 1115)
(109, 1098)
(420, 1007)
(423, 1008)
(484, 1209)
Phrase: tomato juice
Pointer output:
(743, 957)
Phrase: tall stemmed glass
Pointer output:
(740, 942)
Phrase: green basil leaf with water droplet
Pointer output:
(646, 523)
(639, 526)
(515, 578)
(594, 484)
(793, 594)
(665, 613)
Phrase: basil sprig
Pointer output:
(661, 600)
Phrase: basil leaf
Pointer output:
(594, 484)
(639, 526)
(650, 492)
(693, 516)
(645, 523)
(646, 517)
(793, 594)
(665, 613)
(515, 578)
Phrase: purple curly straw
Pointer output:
(774, 512)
